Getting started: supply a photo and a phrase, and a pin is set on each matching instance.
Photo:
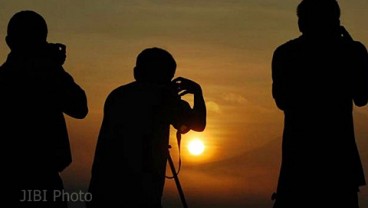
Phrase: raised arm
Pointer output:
(278, 82)
(199, 113)
(360, 76)
(72, 98)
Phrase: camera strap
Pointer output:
(178, 139)
(175, 173)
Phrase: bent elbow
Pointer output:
(78, 113)
(82, 114)
(199, 127)
(361, 102)
(280, 104)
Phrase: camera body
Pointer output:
(180, 119)
(344, 33)
(179, 110)
(56, 52)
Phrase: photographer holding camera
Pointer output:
(132, 148)
(35, 93)
(318, 79)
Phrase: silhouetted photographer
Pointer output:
(317, 79)
(35, 92)
(132, 148)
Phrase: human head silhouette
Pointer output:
(27, 31)
(154, 65)
(318, 17)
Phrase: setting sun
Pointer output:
(196, 147)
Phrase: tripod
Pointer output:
(177, 182)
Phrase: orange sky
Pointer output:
(226, 46)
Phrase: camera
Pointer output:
(180, 118)
(345, 34)
(180, 110)
(56, 52)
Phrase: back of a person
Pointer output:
(141, 128)
(317, 78)
(134, 157)
(32, 125)
(318, 120)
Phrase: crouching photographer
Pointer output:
(132, 148)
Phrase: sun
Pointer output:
(196, 147)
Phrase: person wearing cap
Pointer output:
(35, 93)
(131, 153)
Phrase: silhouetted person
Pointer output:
(317, 78)
(132, 148)
(35, 91)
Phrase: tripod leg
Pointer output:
(177, 182)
